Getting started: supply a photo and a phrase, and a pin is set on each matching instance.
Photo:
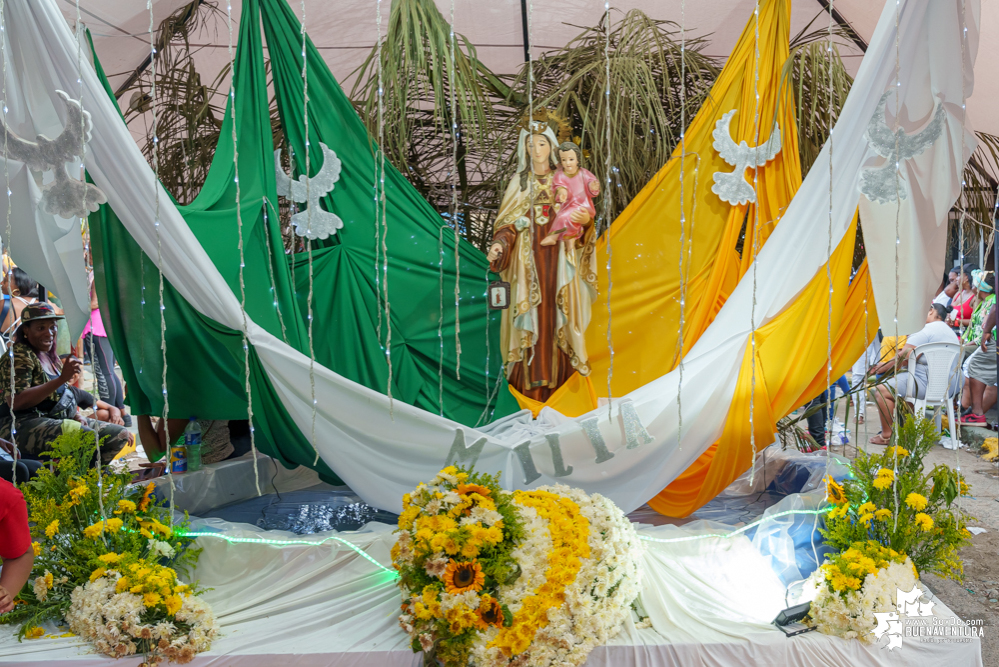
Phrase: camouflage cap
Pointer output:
(39, 311)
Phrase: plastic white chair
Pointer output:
(940, 365)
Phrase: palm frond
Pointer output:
(642, 66)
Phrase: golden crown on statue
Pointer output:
(544, 119)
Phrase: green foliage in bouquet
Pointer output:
(891, 500)
(72, 538)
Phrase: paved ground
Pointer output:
(977, 597)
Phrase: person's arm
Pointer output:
(900, 360)
(15, 538)
(987, 326)
(32, 396)
(13, 576)
(114, 414)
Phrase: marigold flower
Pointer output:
(882, 483)
(882, 514)
(151, 599)
(36, 548)
(866, 519)
(924, 521)
(462, 577)
(916, 501)
(866, 508)
(33, 633)
(173, 604)
(52, 529)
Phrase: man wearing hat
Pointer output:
(39, 401)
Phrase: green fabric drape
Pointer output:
(420, 248)
(350, 324)
(205, 359)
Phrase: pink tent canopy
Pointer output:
(345, 31)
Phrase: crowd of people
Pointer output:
(963, 313)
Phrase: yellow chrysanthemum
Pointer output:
(924, 521)
(97, 574)
(882, 514)
(866, 519)
(151, 599)
(173, 604)
(52, 529)
(36, 548)
(48, 580)
(882, 483)
(916, 501)
(901, 451)
(110, 558)
(33, 633)
(867, 508)
(126, 506)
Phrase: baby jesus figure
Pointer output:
(575, 190)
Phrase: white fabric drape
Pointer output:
(710, 602)
(383, 453)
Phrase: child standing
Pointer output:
(15, 545)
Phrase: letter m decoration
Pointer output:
(462, 455)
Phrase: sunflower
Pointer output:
(462, 577)
(834, 491)
(490, 613)
(466, 489)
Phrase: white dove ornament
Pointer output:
(313, 222)
(64, 197)
(732, 186)
(879, 183)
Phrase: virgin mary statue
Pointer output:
(551, 286)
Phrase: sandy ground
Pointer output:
(977, 597)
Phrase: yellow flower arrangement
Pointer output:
(570, 532)
(96, 530)
(916, 501)
(463, 547)
(884, 479)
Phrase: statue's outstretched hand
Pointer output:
(495, 250)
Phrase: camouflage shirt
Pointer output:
(28, 372)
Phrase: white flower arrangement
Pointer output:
(493, 578)
(597, 602)
(122, 624)
(850, 614)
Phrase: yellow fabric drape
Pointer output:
(791, 357)
(643, 244)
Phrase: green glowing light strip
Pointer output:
(288, 543)
(735, 532)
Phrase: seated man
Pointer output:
(935, 331)
(38, 395)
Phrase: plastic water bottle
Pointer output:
(192, 442)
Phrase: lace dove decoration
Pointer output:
(311, 190)
(732, 186)
(878, 183)
(65, 197)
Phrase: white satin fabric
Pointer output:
(710, 601)
(383, 450)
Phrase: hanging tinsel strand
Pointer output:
(308, 237)
(683, 221)
(242, 258)
(898, 209)
(607, 204)
(454, 207)
(381, 218)
(10, 261)
(159, 250)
